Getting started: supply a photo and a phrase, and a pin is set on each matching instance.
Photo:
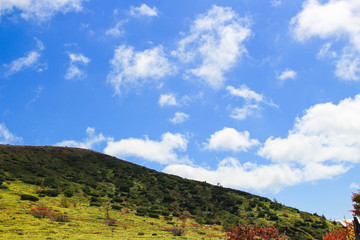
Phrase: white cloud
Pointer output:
(348, 65)
(214, 44)
(30, 60)
(231, 173)
(273, 177)
(179, 117)
(324, 143)
(74, 71)
(6, 137)
(326, 52)
(40, 10)
(228, 139)
(37, 92)
(326, 134)
(117, 30)
(131, 68)
(287, 74)
(334, 19)
(163, 151)
(247, 110)
(88, 143)
(143, 10)
(245, 93)
(168, 99)
(252, 104)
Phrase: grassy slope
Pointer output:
(98, 179)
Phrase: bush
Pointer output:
(177, 231)
(253, 232)
(153, 215)
(29, 197)
(95, 204)
(68, 193)
(110, 221)
(50, 193)
(60, 217)
(4, 187)
(116, 207)
(41, 212)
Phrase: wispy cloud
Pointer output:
(287, 74)
(117, 30)
(143, 10)
(179, 117)
(6, 137)
(253, 102)
(37, 92)
(167, 99)
(30, 60)
(90, 142)
(39, 10)
(75, 71)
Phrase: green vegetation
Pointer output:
(83, 192)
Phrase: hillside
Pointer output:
(81, 182)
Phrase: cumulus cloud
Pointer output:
(30, 60)
(252, 99)
(326, 134)
(163, 151)
(228, 139)
(179, 117)
(287, 74)
(325, 142)
(334, 19)
(39, 10)
(6, 137)
(76, 61)
(214, 44)
(90, 142)
(133, 69)
(231, 173)
(143, 10)
(167, 99)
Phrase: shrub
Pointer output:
(4, 187)
(50, 193)
(60, 217)
(153, 215)
(116, 207)
(177, 231)
(68, 193)
(41, 212)
(110, 221)
(29, 197)
(95, 204)
(341, 234)
(252, 232)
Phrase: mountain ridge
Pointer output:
(98, 176)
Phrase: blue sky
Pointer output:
(260, 96)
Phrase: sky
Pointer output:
(260, 96)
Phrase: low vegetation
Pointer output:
(82, 192)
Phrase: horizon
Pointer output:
(262, 97)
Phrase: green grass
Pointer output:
(86, 222)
